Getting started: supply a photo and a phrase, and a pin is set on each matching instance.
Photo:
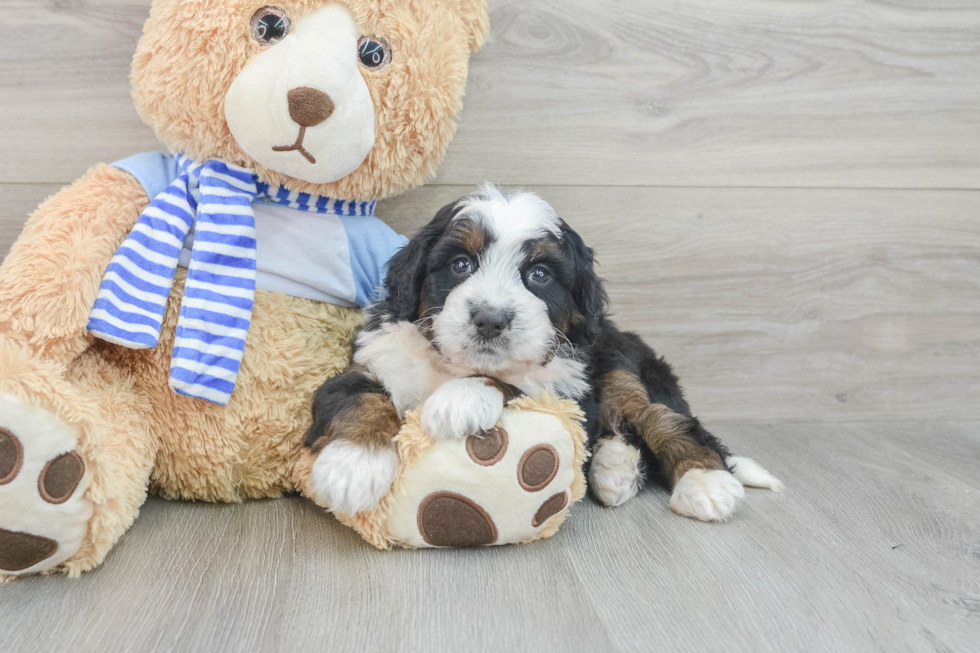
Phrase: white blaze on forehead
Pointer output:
(512, 218)
(508, 222)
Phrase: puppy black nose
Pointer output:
(309, 106)
(490, 324)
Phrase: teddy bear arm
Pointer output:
(50, 278)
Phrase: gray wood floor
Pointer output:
(874, 546)
(785, 200)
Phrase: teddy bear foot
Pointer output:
(44, 513)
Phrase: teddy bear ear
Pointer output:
(474, 15)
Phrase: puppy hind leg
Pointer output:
(617, 471)
(752, 474)
(691, 458)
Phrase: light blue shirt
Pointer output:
(328, 258)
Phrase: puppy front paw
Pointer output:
(708, 495)
(462, 407)
(352, 479)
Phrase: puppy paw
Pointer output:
(708, 495)
(616, 474)
(462, 407)
(352, 479)
(752, 474)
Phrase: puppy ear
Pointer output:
(588, 292)
(406, 270)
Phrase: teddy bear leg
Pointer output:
(75, 457)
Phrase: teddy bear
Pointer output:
(165, 320)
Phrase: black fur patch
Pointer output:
(337, 395)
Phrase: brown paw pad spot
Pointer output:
(22, 550)
(487, 448)
(537, 467)
(550, 508)
(60, 477)
(450, 519)
(11, 456)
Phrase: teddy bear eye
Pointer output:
(373, 52)
(269, 25)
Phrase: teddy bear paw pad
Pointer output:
(19, 551)
(550, 508)
(43, 480)
(487, 448)
(450, 519)
(537, 467)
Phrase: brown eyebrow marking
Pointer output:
(546, 248)
(471, 235)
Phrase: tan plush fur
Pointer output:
(134, 433)
(133, 429)
(49, 280)
(191, 52)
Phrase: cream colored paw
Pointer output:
(752, 474)
(462, 407)
(43, 510)
(510, 485)
(708, 495)
(351, 478)
(616, 474)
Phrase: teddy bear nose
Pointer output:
(309, 106)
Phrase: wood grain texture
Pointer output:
(719, 156)
(793, 304)
(873, 93)
(862, 544)
(788, 304)
(870, 548)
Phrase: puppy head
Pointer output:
(498, 280)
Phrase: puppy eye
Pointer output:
(462, 265)
(270, 25)
(373, 52)
(539, 275)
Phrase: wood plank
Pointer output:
(64, 88)
(787, 304)
(812, 569)
(780, 304)
(866, 93)
(866, 550)
(282, 575)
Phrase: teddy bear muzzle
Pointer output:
(308, 107)
(301, 106)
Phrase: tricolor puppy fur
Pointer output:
(498, 297)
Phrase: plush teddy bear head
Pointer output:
(354, 99)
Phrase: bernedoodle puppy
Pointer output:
(497, 297)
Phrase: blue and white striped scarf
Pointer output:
(216, 309)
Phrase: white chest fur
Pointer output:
(411, 369)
